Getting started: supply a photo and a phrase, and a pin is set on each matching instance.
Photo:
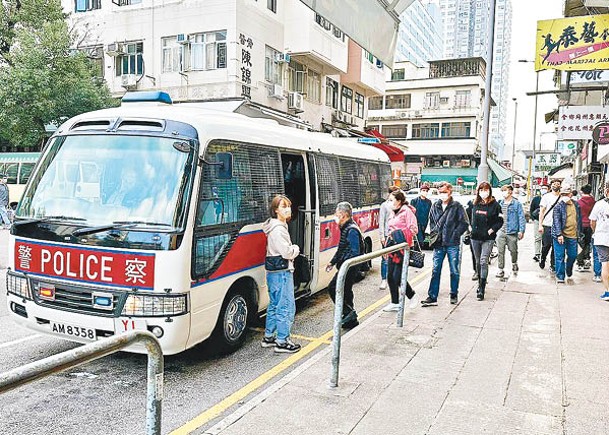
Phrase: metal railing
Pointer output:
(340, 297)
(80, 355)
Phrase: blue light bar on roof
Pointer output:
(369, 140)
(147, 96)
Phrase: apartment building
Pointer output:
(279, 58)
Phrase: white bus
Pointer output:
(149, 216)
(17, 167)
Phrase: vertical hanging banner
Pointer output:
(573, 44)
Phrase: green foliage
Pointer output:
(42, 80)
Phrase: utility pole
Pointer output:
(483, 167)
(514, 138)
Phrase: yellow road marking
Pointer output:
(240, 394)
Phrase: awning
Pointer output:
(451, 175)
(501, 175)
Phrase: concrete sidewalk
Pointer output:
(530, 359)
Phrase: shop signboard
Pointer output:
(577, 122)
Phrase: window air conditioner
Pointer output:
(295, 101)
(277, 92)
(128, 80)
(115, 49)
(443, 100)
(403, 115)
(182, 39)
(417, 114)
(282, 58)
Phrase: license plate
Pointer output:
(73, 331)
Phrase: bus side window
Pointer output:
(25, 172)
(329, 187)
(11, 170)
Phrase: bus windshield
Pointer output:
(105, 179)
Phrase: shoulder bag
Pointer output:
(435, 233)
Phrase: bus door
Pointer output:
(295, 182)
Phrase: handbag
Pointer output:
(417, 257)
(275, 263)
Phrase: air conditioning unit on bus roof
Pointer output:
(115, 49)
(296, 101)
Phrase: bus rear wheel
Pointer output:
(232, 324)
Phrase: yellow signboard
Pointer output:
(573, 44)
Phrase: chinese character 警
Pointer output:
(25, 256)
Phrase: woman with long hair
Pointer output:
(279, 265)
(486, 220)
(405, 220)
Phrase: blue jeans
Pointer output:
(598, 266)
(4, 216)
(421, 233)
(453, 263)
(570, 248)
(383, 268)
(282, 307)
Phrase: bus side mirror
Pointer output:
(224, 163)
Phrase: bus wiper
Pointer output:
(46, 219)
(150, 223)
(100, 229)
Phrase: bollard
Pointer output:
(340, 297)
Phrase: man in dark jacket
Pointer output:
(586, 204)
(449, 220)
(348, 247)
(566, 226)
(422, 205)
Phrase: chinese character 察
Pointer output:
(134, 271)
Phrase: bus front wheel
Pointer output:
(232, 324)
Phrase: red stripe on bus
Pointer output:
(367, 220)
(248, 251)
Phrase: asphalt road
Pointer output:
(108, 396)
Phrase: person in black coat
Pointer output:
(485, 221)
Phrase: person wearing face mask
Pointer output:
(385, 213)
(565, 230)
(279, 265)
(403, 219)
(534, 213)
(449, 222)
(349, 246)
(422, 206)
(586, 204)
(546, 213)
(514, 224)
(485, 220)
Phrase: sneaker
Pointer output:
(414, 302)
(580, 268)
(605, 296)
(475, 276)
(383, 285)
(480, 296)
(454, 299)
(597, 279)
(552, 270)
(536, 258)
(286, 347)
(560, 281)
(429, 302)
(349, 320)
(500, 274)
(268, 342)
(514, 267)
(542, 263)
(391, 307)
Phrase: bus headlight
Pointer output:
(18, 285)
(154, 306)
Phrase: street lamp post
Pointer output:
(514, 138)
(532, 158)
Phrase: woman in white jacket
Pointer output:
(279, 265)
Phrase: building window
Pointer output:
(271, 5)
(395, 131)
(398, 74)
(313, 86)
(272, 69)
(132, 62)
(428, 130)
(432, 100)
(86, 5)
(331, 93)
(456, 129)
(400, 101)
(346, 100)
(296, 77)
(207, 51)
(359, 105)
(375, 103)
(172, 55)
(463, 98)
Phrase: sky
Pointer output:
(525, 15)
